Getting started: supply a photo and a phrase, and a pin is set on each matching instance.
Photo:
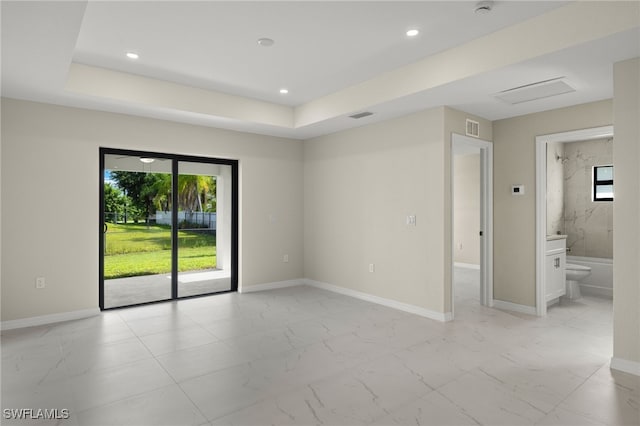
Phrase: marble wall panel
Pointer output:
(555, 188)
(588, 224)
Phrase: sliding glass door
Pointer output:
(204, 214)
(168, 227)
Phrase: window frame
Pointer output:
(597, 183)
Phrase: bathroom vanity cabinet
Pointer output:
(556, 259)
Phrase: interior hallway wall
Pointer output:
(455, 122)
(514, 242)
(466, 205)
(50, 176)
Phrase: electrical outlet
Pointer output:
(40, 282)
(411, 220)
(285, 258)
(372, 267)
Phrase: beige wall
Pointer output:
(50, 199)
(466, 209)
(626, 214)
(514, 216)
(1, 243)
(360, 185)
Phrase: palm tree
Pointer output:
(193, 189)
(162, 190)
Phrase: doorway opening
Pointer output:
(542, 229)
(168, 227)
(472, 221)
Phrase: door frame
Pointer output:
(541, 198)
(486, 216)
(175, 159)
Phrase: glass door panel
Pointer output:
(168, 227)
(204, 228)
(137, 231)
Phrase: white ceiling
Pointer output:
(334, 57)
(320, 47)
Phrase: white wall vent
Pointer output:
(473, 128)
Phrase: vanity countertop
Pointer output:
(556, 237)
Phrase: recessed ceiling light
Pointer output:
(284, 91)
(266, 42)
(147, 160)
(132, 55)
(412, 33)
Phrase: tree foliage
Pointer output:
(193, 192)
(149, 192)
(132, 184)
(114, 201)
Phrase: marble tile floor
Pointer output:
(304, 356)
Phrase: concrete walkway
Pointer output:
(150, 288)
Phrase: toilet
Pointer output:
(575, 273)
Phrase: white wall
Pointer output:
(466, 205)
(626, 213)
(514, 163)
(50, 165)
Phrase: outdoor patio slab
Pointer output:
(151, 288)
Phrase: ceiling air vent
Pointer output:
(533, 91)
(473, 128)
(361, 115)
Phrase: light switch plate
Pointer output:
(40, 282)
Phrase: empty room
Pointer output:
(309, 212)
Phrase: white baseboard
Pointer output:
(438, 316)
(508, 306)
(270, 286)
(626, 366)
(466, 265)
(49, 319)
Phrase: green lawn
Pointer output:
(135, 249)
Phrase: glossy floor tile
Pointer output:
(304, 356)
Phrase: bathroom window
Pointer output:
(603, 183)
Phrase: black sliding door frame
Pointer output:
(175, 159)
